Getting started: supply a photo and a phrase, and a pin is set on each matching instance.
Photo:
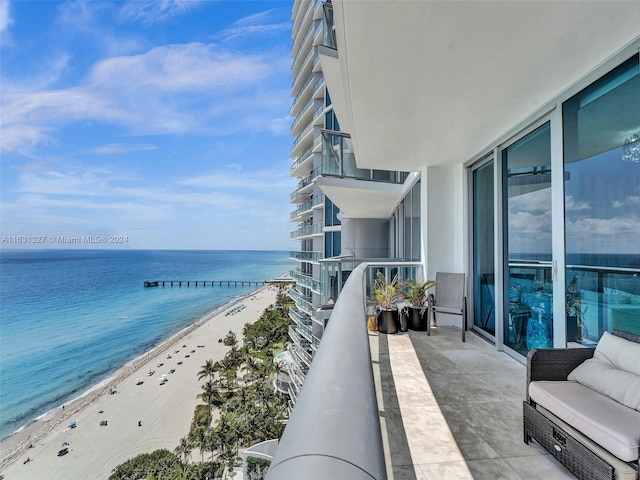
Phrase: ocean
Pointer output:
(70, 318)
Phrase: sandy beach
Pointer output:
(164, 411)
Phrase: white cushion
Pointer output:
(605, 421)
(613, 371)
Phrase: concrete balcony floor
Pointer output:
(453, 411)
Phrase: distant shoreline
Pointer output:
(17, 443)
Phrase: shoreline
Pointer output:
(37, 431)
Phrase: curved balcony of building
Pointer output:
(303, 18)
(303, 141)
(358, 192)
(306, 209)
(304, 233)
(302, 166)
(304, 47)
(306, 67)
(313, 257)
(303, 191)
(303, 118)
(303, 357)
(309, 67)
(303, 94)
(305, 280)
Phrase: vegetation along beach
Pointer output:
(140, 418)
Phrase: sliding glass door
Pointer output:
(483, 248)
(528, 287)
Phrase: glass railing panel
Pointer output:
(302, 19)
(601, 299)
(310, 32)
(334, 273)
(529, 320)
(306, 256)
(302, 113)
(304, 133)
(301, 92)
(338, 159)
(304, 67)
(301, 159)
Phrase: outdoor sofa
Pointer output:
(583, 406)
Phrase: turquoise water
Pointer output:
(70, 318)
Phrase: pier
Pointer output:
(204, 283)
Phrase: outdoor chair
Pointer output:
(449, 298)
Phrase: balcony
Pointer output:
(303, 164)
(306, 232)
(306, 208)
(306, 256)
(443, 409)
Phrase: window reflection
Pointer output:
(528, 288)
(602, 205)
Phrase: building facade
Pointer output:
(330, 237)
(520, 125)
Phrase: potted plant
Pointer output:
(417, 296)
(386, 295)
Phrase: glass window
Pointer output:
(330, 213)
(528, 288)
(483, 248)
(601, 127)
(332, 244)
(415, 222)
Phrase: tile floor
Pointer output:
(453, 411)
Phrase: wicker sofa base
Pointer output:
(576, 457)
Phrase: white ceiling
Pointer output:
(435, 82)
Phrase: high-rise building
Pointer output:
(325, 164)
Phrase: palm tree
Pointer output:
(184, 449)
(207, 370)
(211, 396)
(198, 439)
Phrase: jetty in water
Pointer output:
(213, 283)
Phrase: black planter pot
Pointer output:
(404, 320)
(418, 321)
(388, 321)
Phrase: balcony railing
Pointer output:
(315, 229)
(307, 206)
(305, 280)
(306, 256)
(331, 394)
(338, 159)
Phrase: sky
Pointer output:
(146, 124)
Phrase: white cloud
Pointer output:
(80, 15)
(5, 16)
(281, 126)
(155, 11)
(630, 201)
(265, 180)
(571, 204)
(192, 67)
(617, 226)
(117, 148)
(170, 89)
(261, 23)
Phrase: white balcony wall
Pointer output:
(365, 238)
(443, 224)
